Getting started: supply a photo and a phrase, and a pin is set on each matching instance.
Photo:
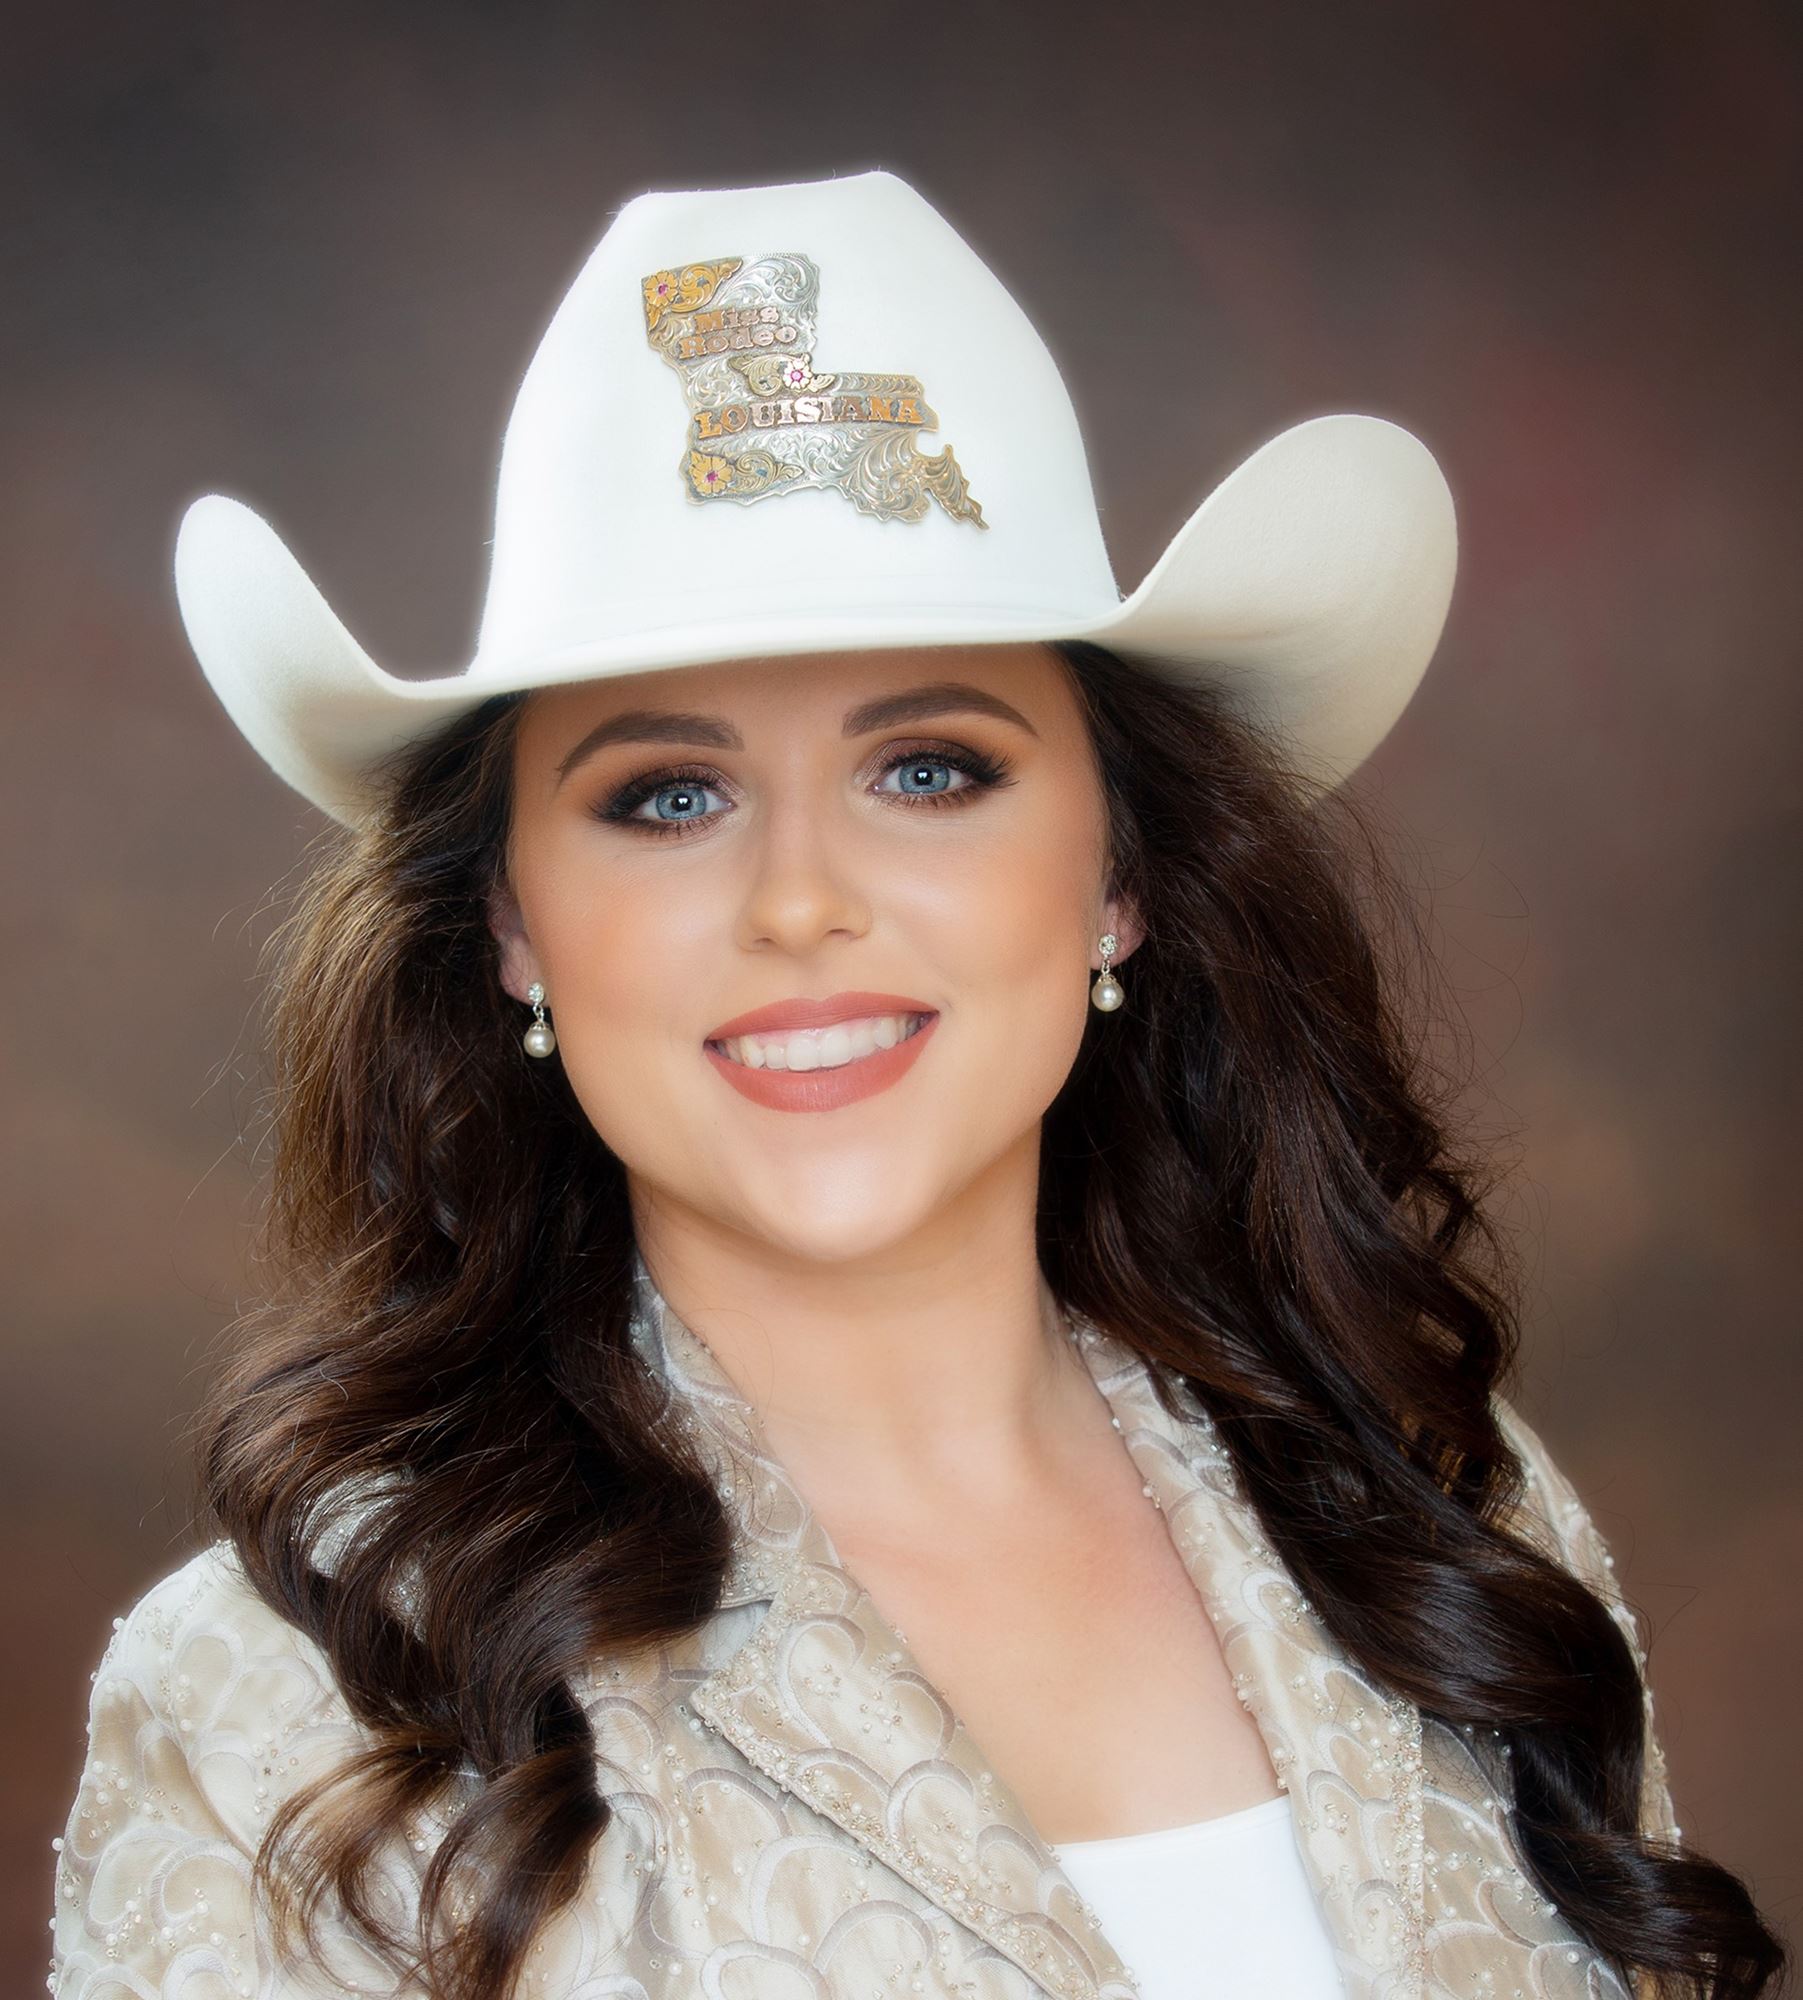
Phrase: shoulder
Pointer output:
(206, 1709)
(209, 1585)
(1548, 1491)
(203, 1624)
(1555, 1517)
(199, 1674)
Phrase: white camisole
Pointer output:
(1221, 1906)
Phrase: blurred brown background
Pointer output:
(302, 256)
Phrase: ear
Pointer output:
(1118, 915)
(519, 965)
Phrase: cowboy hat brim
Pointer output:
(1312, 583)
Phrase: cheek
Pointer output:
(629, 965)
(1019, 904)
(1006, 930)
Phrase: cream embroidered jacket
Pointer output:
(799, 1815)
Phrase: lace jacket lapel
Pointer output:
(1400, 1831)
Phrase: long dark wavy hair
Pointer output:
(1248, 1177)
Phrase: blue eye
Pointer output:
(924, 769)
(678, 797)
(684, 797)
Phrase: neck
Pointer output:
(935, 1370)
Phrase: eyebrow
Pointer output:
(675, 725)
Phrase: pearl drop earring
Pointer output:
(538, 1040)
(1106, 993)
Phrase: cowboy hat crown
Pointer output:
(780, 420)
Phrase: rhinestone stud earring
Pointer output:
(1106, 993)
(538, 1040)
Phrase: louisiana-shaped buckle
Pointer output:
(763, 419)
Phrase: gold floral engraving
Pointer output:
(753, 472)
(683, 291)
(763, 419)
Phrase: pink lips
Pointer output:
(821, 1089)
(783, 1014)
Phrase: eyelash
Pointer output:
(987, 772)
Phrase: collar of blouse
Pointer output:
(1401, 1831)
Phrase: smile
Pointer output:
(820, 1055)
(801, 1049)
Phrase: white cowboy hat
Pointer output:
(693, 472)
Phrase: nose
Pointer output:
(804, 887)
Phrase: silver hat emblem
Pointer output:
(763, 419)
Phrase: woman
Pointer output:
(884, 1381)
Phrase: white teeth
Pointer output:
(823, 1048)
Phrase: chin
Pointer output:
(841, 1212)
(850, 1232)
